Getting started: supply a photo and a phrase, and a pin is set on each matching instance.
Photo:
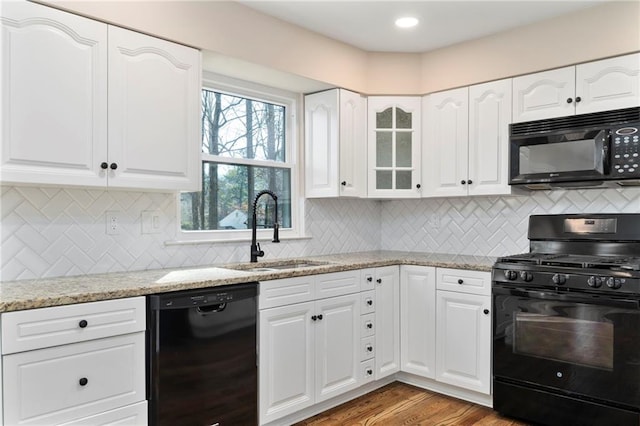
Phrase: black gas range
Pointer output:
(566, 324)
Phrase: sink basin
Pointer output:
(277, 266)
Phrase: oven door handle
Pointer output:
(573, 297)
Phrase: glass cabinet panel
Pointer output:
(403, 149)
(384, 149)
(403, 179)
(403, 119)
(384, 119)
(384, 179)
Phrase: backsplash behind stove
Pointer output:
(49, 232)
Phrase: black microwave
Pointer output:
(587, 150)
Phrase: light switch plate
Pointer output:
(151, 221)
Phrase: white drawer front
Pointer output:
(286, 291)
(366, 279)
(131, 415)
(337, 284)
(48, 386)
(59, 325)
(367, 325)
(463, 281)
(367, 369)
(368, 302)
(368, 348)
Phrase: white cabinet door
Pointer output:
(154, 112)
(54, 97)
(418, 320)
(321, 144)
(546, 94)
(286, 360)
(387, 321)
(353, 144)
(445, 157)
(335, 144)
(463, 340)
(608, 84)
(393, 146)
(337, 345)
(489, 118)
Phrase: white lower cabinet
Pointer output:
(93, 374)
(446, 326)
(308, 352)
(387, 321)
(418, 320)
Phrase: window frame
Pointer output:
(292, 102)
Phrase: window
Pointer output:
(246, 147)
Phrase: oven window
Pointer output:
(559, 157)
(577, 341)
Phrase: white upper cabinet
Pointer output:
(154, 117)
(467, 140)
(88, 104)
(591, 87)
(394, 147)
(445, 153)
(335, 144)
(54, 96)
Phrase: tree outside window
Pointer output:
(243, 152)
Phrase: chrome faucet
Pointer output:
(255, 246)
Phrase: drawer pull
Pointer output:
(369, 279)
(369, 302)
(83, 324)
(320, 317)
(369, 325)
(379, 280)
(83, 381)
(314, 317)
(460, 281)
(369, 348)
(369, 372)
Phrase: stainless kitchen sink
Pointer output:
(277, 266)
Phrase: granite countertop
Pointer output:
(39, 293)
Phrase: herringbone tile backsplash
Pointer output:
(49, 232)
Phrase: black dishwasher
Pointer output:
(202, 357)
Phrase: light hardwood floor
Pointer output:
(399, 404)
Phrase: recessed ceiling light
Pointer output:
(406, 22)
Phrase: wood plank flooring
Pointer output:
(399, 404)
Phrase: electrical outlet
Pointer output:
(113, 222)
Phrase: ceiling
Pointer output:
(368, 24)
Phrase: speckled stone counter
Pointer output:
(31, 294)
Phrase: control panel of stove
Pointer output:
(575, 281)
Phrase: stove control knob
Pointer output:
(526, 276)
(614, 283)
(510, 275)
(559, 279)
(595, 282)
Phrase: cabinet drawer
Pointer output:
(368, 348)
(367, 369)
(64, 383)
(463, 281)
(368, 302)
(337, 284)
(286, 291)
(367, 279)
(367, 325)
(46, 327)
(131, 415)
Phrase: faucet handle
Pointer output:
(276, 237)
(259, 252)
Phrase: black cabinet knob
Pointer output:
(379, 280)
(104, 166)
(369, 302)
(369, 325)
(369, 372)
(320, 317)
(569, 100)
(578, 99)
(460, 281)
(463, 182)
(83, 324)
(313, 317)
(369, 348)
(418, 186)
(486, 312)
(343, 183)
(113, 166)
(369, 279)
(83, 381)
(469, 181)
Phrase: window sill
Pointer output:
(232, 240)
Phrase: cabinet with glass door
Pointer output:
(393, 146)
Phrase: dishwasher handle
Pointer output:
(205, 299)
